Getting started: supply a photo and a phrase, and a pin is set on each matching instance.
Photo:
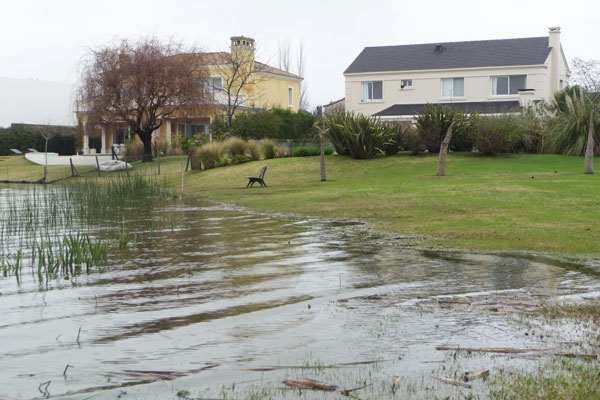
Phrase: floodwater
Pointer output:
(214, 291)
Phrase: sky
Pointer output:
(44, 40)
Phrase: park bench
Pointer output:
(260, 179)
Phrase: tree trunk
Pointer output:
(323, 174)
(441, 171)
(589, 150)
(146, 139)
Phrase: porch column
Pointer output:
(103, 129)
(168, 133)
(86, 142)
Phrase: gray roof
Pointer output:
(483, 107)
(482, 53)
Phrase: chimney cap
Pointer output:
(554, 29)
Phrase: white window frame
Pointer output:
(185, 124)
(452, 96)
(406, 84)
(373, 98)
(290, 96)
(212, 83)
(508, 83)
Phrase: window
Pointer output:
(405, 83)
(121, 134)
(191, 130)
(290, 97)
(508, 84)
(453, 87)
(217, 82)
(372, 90)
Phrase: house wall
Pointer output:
(272, 91)
(427, 86)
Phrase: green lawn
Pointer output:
(18, 168)
(517, 202)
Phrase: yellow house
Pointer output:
(239, 83)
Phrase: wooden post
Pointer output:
(441, 171)
(182, 178)
(323, 173)
(589, 149)
(98, 166)
(188, 163)
(73, 170)
(158, 157)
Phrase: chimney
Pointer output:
(554, 42)
(242, 49)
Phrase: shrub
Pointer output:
(334, 126)
(283, 151)
(133, 148)
(219, 129)
(224, 161)
(492, 135)
(412, 140)
(23, 137)
(359, 135)
(433, 123)
(395, 143)
(304, 151)
(160, 145)
(210, 154)
(269, 148)
(275, 124)
(569, 119)
(533, 134)
(236, 146)
(254, 150)
(239, 159)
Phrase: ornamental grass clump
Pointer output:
(210, 154)
(254, 150)
(236, 146)
(269, 148)
(358, 135)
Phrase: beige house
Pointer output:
(489, 76)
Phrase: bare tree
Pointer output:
(240, 75)
(284, 56)
(142, 84)
(285, 63)
(300, 67)
(587, 75)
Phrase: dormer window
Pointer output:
(508, 84)
(372, 90)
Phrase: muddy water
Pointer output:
(210, 291)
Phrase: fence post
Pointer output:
(98, 166)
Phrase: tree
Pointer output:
(587, 75)
(142, 84)
(240, 77)
(284, 57)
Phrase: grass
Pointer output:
(523, 202)
(539, 203)
(18, 168)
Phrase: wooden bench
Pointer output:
(260, 179)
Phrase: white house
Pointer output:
(489, 76)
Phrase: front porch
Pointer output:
(113, 135)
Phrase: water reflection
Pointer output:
(205, 283)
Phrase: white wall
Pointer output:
(427, 86)
(35, 102)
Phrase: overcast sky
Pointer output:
(44, 40)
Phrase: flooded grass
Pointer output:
(67, 230)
